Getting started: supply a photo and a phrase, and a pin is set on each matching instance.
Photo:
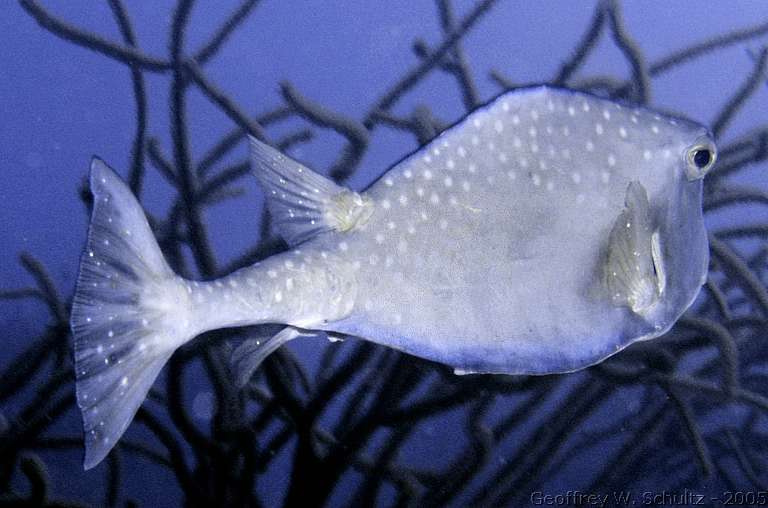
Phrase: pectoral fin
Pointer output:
(633, 271)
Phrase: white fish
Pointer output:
(542, 233)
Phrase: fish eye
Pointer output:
(700, 158)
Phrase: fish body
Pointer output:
(487, 247)
(542, 233)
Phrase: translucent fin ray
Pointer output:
(302, 203)
(128, 314)
(633, 252)
(252, 353)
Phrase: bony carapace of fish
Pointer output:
(541, 234)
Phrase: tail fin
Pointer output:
(130, 313)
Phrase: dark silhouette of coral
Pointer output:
(709, 365)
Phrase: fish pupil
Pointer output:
(701, 158)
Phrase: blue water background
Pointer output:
(62, 104)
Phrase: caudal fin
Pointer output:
(129, 313)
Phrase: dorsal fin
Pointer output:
(303, 203)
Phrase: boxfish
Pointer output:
(540, 234)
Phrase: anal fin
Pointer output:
(633, 271)
(249, 355)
